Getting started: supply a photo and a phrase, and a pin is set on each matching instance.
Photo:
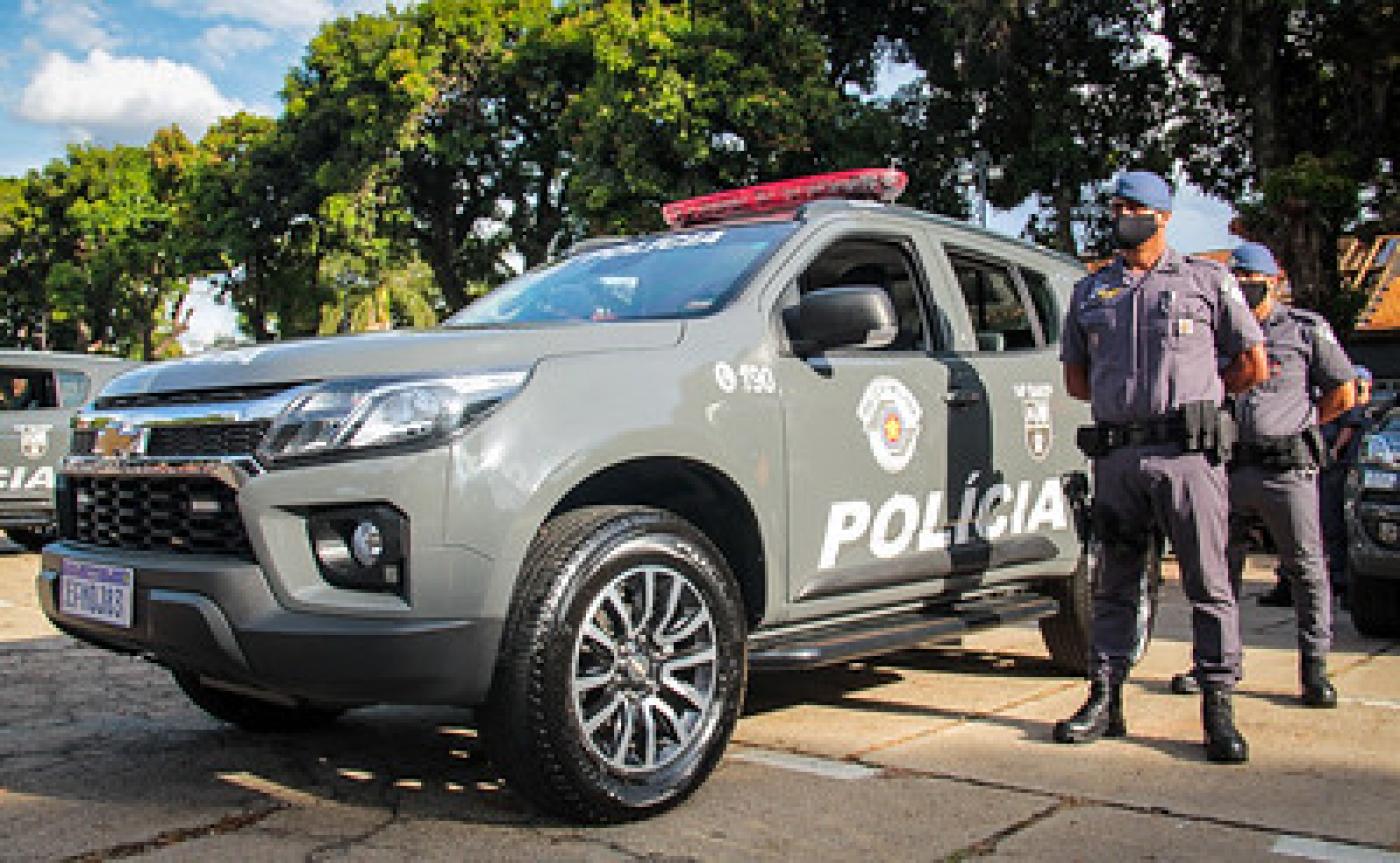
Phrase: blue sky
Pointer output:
(113, 71)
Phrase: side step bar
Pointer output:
(815, 648)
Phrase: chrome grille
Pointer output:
(191, 441)
(191, 515)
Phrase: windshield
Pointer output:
(680, 275)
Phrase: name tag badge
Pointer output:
(1185, 326)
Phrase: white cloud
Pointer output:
(76, 23)
(221, 43)
(123, 97)
(300, 16)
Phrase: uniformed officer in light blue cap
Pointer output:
(1273, 475)
(1141, 341)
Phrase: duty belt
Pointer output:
(1198, 426)
(1279, 452)
(1102, 438)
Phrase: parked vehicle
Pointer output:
(1373, 507)
(789, 432)
(39, 393)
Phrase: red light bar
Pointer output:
(878, 184)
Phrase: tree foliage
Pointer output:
(1288, 107)
(427, 153)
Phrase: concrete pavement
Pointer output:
(941, 753)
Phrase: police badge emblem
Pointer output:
(1036, 420)
(33, 440)
(890, 416)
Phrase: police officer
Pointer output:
(1141, 338)
(1273, 475)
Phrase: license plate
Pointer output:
(96, 592)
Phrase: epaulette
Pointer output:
(1209, 262)
(1312, 323)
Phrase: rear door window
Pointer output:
(1011, 309)
(27, 390)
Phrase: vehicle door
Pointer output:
(864, 430)
(35, 406)
(1013, 445)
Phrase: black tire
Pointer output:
(577, 652)
(1375, 605)
(254, 714)
(1067, 634)
(32, 539)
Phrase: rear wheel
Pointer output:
(30, 538)
(253, 714)
(622, 666)
(1067, 635)
(1375, 605)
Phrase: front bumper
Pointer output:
(218, 617)
(26, 513)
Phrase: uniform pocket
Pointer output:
(1099, 324)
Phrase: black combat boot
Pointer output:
(1224, 743)
(1318, 691)
(1101, 715)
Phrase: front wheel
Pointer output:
(1069, 633)
(1375, 605)
(622, 666)
(32, 539)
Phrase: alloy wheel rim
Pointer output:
(644, 669)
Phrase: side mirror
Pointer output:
(859, 316)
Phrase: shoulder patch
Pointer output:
(1314, 325)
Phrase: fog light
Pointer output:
(362, 547)
(367, 543)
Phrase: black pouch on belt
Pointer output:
(1092, 441)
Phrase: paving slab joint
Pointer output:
(349, 842)
(167, 838)
(988, 846)
(968, 717)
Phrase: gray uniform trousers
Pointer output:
(1286, 502)
(1157, 487)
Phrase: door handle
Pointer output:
(962, 398)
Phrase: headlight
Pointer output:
(1381, 448)
(1379, 480)
(366, 413)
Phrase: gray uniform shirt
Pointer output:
(1304, 358)
(1151, 347)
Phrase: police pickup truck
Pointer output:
(803, 425)
(39, 392)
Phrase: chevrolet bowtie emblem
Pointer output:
(119, 441)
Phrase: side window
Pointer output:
(27, 390)
(72, 389)
(883, 264)
(1043, 299)
(995, 304)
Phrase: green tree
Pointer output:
(1060, 94)
(689, 98)
(248, 194)
(1289, 110)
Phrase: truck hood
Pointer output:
(398, 352)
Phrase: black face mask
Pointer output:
(1131, 230)
(1255, 290)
